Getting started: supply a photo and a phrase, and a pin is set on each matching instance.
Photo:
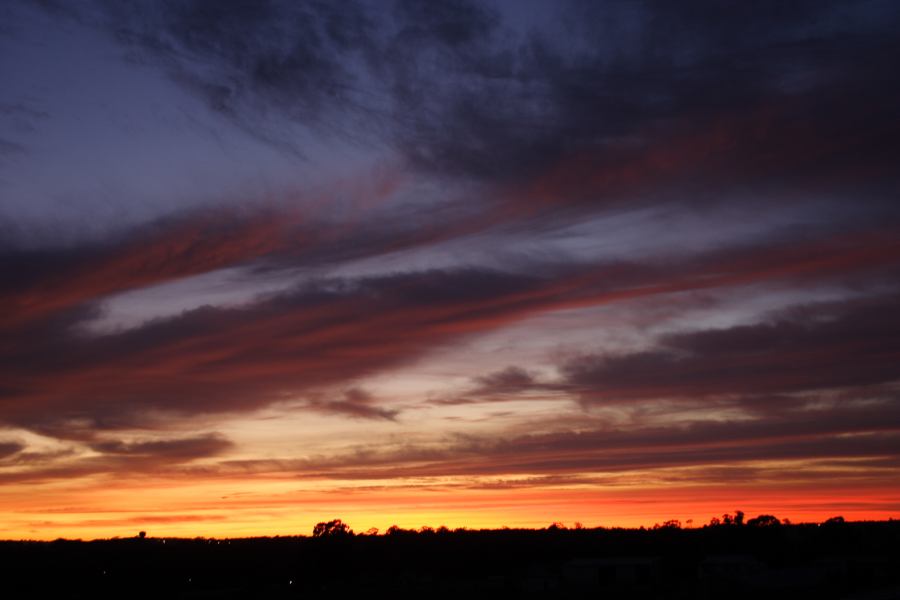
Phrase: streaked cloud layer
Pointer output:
(474, 264)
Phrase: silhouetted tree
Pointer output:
(396, 530)
(736, 519)
(838, 520)
(670, 524)
(764, 521)
(142, 534)
(335, 528)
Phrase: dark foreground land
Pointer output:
(836, 560)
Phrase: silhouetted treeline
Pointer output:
(734, 560)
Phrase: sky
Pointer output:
(473, 264)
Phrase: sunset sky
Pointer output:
(474, 264)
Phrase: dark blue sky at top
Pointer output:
(166, 104)
(673, 207)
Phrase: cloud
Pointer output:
(509, 379)
(44, 281)
(861, 439)
(242, 358)
(135, 521)
(123, 458)
(175, 450)
(354, 402)
(819, 346)
(800, 356)
(38, 458)
(330, 331)
(642, 105)
(511, 383)
(592, 103)
(8, 448)
(246, 59)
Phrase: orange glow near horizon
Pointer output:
(270, 507)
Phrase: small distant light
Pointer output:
(291, 582)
